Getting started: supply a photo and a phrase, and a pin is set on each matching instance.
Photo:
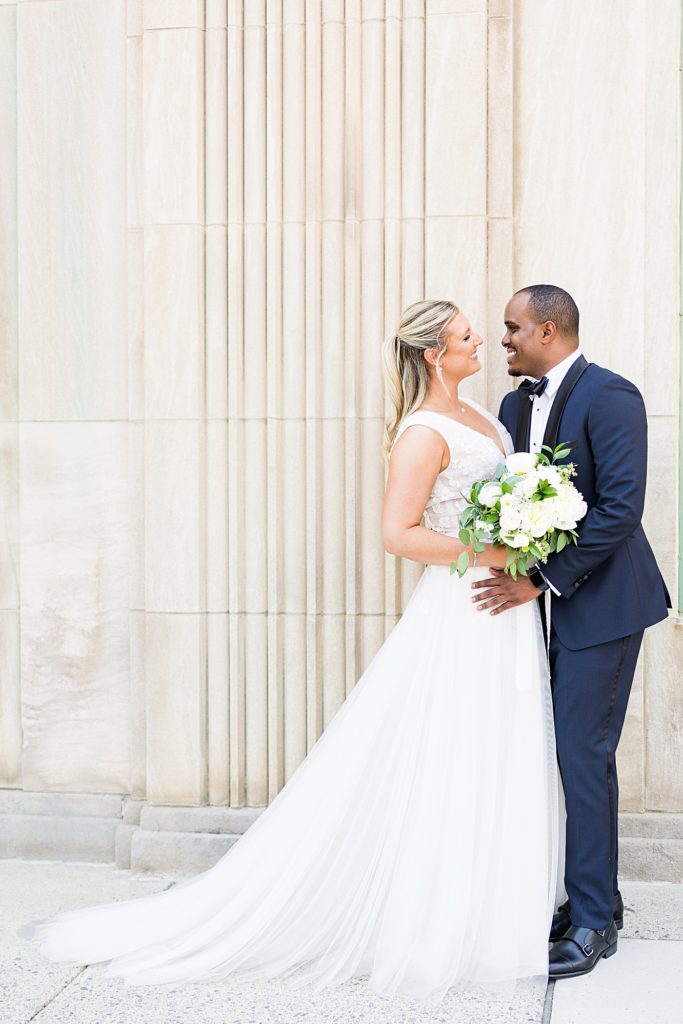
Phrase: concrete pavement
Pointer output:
(641, 985)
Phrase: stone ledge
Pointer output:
(210, 820)
(651, 825)
(46, 837)
(650, 860)
(177, 853)
(78, 805)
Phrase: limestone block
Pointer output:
(176, 852)
(74, 606)
(60, 805)
(455, 104)
(369, 578)
(216, 116)
(8, 216)
(587, 119)
(631, 750)
(287, 348)
(136, 514)
(176, 708)
(216, 13)
(132, 810)
(256, 709)
(122, 844)
(217, 594)
(253, 340)
(134, 130)
(34, 837)
(649, 860)
(413, 261)
(134, 19)
(651, 826)
(660, 209)
(288, 633)
(499, 289)
(332, 307)
(413, 117)
(287, 517)
(174, 321)
(664, 717)
(175, 559)
(372, 120)
(455, 6)
(71, 146)
(333, 119)
(216, 323)
(173, 126)
(332, 667)
(9, 515)
(138, 705)
(136, 341)
(209, 820)
(455, 265)
(500, 118)
(174, 14)
(218, 705)
(291, 145)
(331, 516)
(370, 631)
(10, 700)
(660, 518)
(364, 370)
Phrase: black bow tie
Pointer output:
(533, 387)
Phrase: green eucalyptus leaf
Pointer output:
(463, 563)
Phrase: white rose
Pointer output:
(518, 540)
(538, 518)
(527, 485)
(521, 462)
(550, 474)
(569, 507)
(490, 493)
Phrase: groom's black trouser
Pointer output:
(590, 693)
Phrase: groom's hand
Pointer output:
(500, 592)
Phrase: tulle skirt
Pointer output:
(415, 845)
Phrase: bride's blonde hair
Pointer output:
(406, 375)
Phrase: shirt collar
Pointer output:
(559, 372)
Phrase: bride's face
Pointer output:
(460, 358)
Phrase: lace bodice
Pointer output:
(473, 457)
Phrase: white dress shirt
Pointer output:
(542, 404)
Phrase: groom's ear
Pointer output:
(548, 332)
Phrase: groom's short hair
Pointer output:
(548, 302)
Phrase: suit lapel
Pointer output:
(523, 423)
(564, 391)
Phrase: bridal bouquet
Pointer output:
(531, 507)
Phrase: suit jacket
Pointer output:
(610, 583)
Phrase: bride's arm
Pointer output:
(416, 460)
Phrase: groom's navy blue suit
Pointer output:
(610, 590)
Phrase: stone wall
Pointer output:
(211, 214)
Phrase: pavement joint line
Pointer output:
(79, 972)
(548, 1002)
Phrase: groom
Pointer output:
(605, 592)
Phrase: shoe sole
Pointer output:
(610, 951)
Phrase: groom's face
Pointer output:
(523, 340)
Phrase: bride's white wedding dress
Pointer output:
(417, 842)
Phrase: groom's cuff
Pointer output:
(554, 589)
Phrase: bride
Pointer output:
(417, 842)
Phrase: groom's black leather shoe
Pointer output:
(580, 949)
(562, 918)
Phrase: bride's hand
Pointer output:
(493, 557)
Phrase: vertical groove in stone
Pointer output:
(255, 496)
(392, 239)
(217, 539)
(277, 525)
(357, 103)
(235, 302)
(315, 37)
(412, 194)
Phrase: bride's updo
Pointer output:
(406, 376)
